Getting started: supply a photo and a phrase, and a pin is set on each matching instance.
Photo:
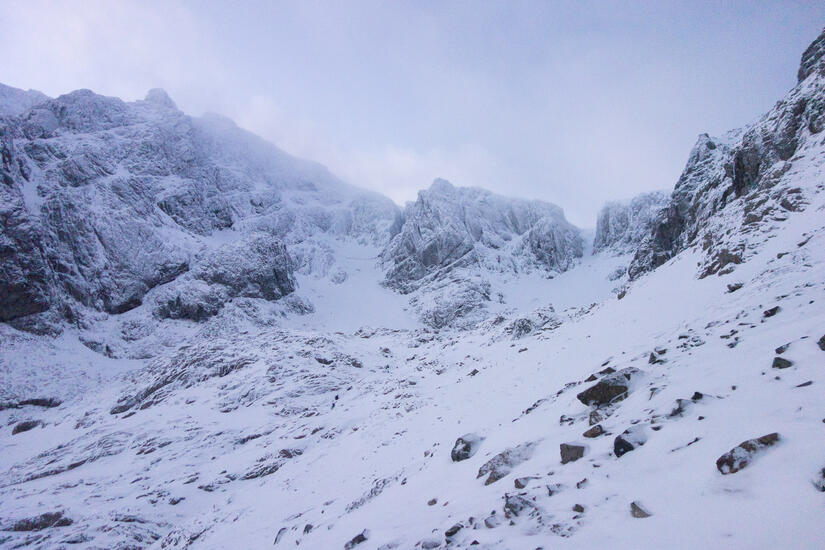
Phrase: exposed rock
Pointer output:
(578, 508)
(782, 349)
(38, 523)
(25, 426)
(781, 363)
(571, 452)
(516, 505)
(630, 439)
(594, 431)
(453, 531)
(721, 174)
(741, 455)
(611, 388)
(771, 312)
(819, 481)
(465, 447)
(428, 544)
(733, 287)
(503, 463)
(637, 510)
(363, 536)
(821, 343)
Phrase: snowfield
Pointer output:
(321, 369)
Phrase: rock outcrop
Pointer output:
(732, 185)
(622, 226)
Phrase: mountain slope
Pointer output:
(540, 412)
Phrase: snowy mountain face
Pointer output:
(14, 101)
(210, 344)
(450, 240)
(622, 226)
(744, 182)
(104, 201)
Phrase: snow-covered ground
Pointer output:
(345, 430)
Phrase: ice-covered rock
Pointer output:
(449, 227)
(621, 226)
(734, 188)
(103, 200)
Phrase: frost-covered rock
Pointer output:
(449, 243)
(103, 200)
(734, 188)
(621, 226)
(449, 227)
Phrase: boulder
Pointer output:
(363, 536)
(630, 439)
(503, 463)
(595, 431)
(742, 455)
(821, 343)
(465, 447)
(611, 388)
(571, 452)
(781, 363)
(637, 510)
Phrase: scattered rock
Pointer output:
(782, 349)
(578, 508)
(492, 521)
(780, 363)
(465, 447)
(281, 532)
(741, 455)
(453, 531)
(637, 510)
(515, 505)
(432, 502)
(522, 482)
(595, 431)
(428, 544)
(363, 536)
(628, 440)
(571, 452)
(805, 384)
(25, 426)
(821, 343)
(611, 388)
(733, 287)
(771, 312)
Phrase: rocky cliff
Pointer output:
(742, 181)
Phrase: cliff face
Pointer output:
(622, 226)
(448, 227)
(733, 186)
(102, 200)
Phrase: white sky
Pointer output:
(571, 102)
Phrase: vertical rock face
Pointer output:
(450, 227)
(621, 226)
(736, 182)
(102, 200)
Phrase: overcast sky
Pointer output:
(572, 102)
